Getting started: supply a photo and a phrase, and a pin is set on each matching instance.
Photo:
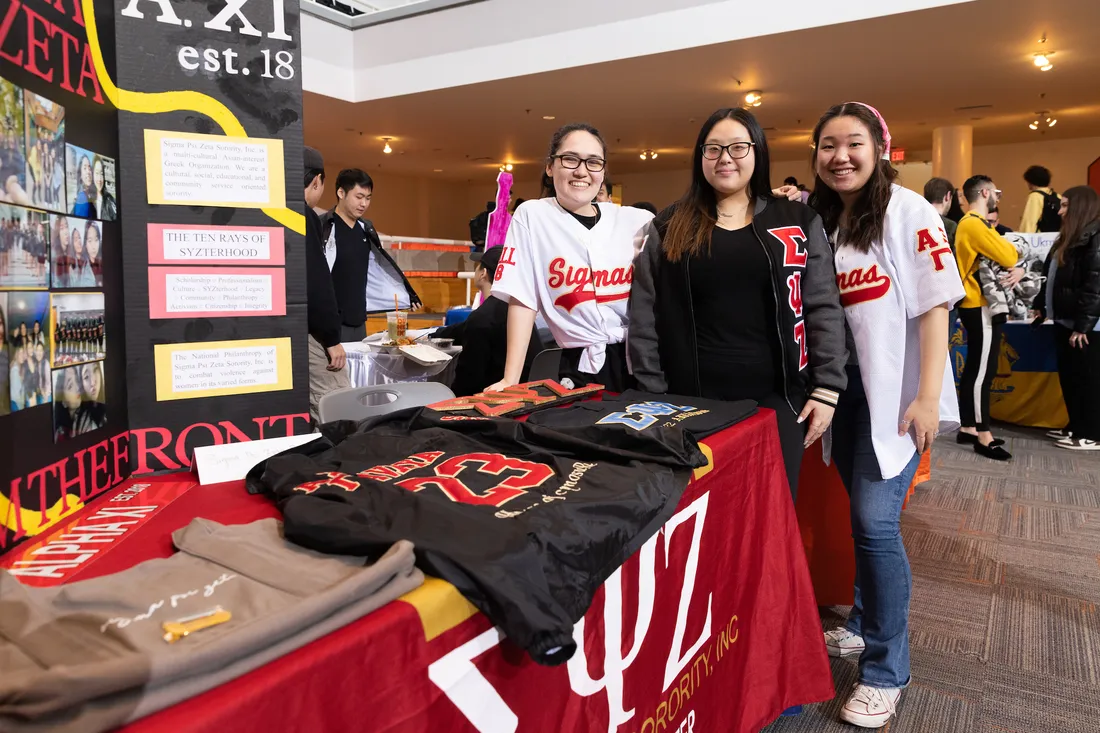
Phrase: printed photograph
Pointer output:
(28, 353)
(80, 400)
(5, 363)
(44, 122)
(13, 163)
(91, 184)
(77, 328)
(24, 248)
(76, 253)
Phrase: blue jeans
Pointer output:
(884, 583)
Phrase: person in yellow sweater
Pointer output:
(1041, 210)
(975, 239)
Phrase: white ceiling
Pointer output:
(497, 39)
(921, 69)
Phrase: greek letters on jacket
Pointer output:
(795, 258)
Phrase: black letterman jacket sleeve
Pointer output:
(824, 319)
(322, 313)
(643, 353)
(376, 243)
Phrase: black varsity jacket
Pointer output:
(662, 339)
(350, 272)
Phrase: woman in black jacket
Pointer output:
(734, 293)
(1071, 296)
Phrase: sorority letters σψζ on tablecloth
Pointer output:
(526, 521)
(650, 414)
(516, 400)
(93, 655)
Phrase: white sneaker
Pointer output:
(843, 643)
(871, 707)
(1059, 434)
(1078, 444)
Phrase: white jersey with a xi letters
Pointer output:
(578, 279)
(884, 292)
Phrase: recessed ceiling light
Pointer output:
(549, 117)
(437, 170)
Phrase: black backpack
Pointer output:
(1051, 220)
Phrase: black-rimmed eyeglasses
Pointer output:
(737, 151)
(572, 162)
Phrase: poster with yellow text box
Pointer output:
(188, 169)
(219, 368)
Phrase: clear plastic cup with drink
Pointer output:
(397, 323)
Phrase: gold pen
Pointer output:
(176, 630)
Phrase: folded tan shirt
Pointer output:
(90, 656)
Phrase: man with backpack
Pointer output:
(1041, 210)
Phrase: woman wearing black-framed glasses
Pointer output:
(735, 294)
(570, 259)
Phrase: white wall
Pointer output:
(1068, 161)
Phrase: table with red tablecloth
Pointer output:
(711, 626)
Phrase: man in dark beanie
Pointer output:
(327, 360)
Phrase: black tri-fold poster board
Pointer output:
(152, 272)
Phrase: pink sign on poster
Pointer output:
(185, 244)
(216, 292)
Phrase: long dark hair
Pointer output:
(555, 144)
(1082, 209)
(868, 215)
(696, 213)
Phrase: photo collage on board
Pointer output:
(54, 198)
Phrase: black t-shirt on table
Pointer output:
(735, 320)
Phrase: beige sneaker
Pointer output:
(871, 707)
(843, 643)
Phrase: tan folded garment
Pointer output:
(91, 656)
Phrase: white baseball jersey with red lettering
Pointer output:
(884, 292)
(577, 279)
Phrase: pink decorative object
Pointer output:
(500, 218)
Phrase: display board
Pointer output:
(63, 386)
(152, 287)
(215, 286)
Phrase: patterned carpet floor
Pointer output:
(1004, 625)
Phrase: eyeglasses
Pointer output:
(573, 162)
(737, 151)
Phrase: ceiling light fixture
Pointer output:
(505, 167)
(549, 117)
(754, 98)
(387, 149)
(1042, 60)
(1043, 118)
(648, 154)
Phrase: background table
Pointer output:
(713, 622)
(1026, 389)
(367, 367)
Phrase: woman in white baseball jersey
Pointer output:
(571, 260)
(897, 280)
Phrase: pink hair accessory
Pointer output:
(885, 129)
